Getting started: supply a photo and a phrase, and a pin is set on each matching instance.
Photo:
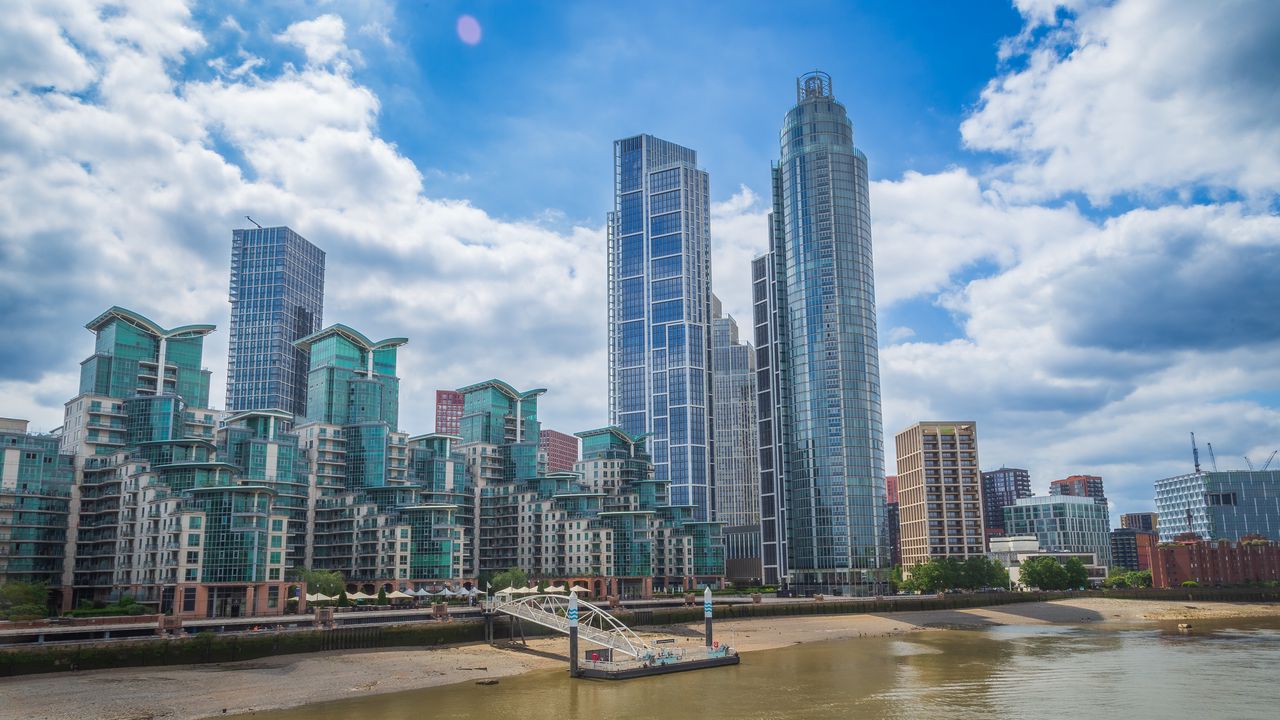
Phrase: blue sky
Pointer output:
(1074, 203)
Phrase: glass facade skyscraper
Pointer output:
(660, 312)
(737, 476)
(1226, 505)
(277, 298)
(822, 446)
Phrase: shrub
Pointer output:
(1190, 583)
(27, 612)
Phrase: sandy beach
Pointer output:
(201, 691)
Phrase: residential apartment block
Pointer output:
(939, 492)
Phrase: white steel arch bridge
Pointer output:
(595, 625)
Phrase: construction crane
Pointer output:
(1195, 454)
(1213, 460)
(1248, 462)
(1267, 464)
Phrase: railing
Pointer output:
(595, 625)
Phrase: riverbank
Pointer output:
(200, 691)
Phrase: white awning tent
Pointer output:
(506, 591)
(525, 591)
(397, 595)
(357, 595)
(578, 589)
(318, 597)
(556, 589)
(446, 593)
(422, 592)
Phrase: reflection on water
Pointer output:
(1220, 670)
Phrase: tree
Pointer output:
(1077, 575)
(1043, 572)
(343, 600)
(511, 577)
(382, 596)
(320, 581)
(23, 593)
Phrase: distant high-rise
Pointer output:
(1089, 486)
(737, 475)
(821, 443)
(1063, 523)
(1139, 521)
(449, 404)
(939, 492)
(1227, 505)
(277, 298)
(1000, 488)
(891, 520)
(660, 312)
(561, 450)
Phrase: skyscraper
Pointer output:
(1000, 488)
(822, 448)
(737, 462)
(1139, 521)
(277, 298)
(660, 312)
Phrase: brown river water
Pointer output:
(1221, 669)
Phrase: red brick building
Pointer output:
(1215, 563)
(561, 450)
(891, 488)
(448, 412)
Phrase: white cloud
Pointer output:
(1138, 97)
(322, 39)
(128, 195)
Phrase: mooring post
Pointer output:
(573, 634)
(706, 611)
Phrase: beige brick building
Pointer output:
(939, 492)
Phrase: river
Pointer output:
(1220, 669)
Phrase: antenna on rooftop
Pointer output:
(255, 222)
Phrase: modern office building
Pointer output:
(561, 450)
(277, 298)
(1014, 550)
(448, 412)
(35, 505)
(1219, 505)
(1139, 521)
(822, 455)
(1252, 561)
(1089, 486)
(1132, 549)
(737, 459)
(1000, 488)
(1063, 523)
(939, 492)
(659, 311)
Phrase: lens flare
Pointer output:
(469, 30)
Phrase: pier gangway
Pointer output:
(595, 625)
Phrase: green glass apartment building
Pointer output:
(822, 444)
(35, 503)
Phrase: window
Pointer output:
(191, 575)
(276, 541)
(277, 525)
(193, 539)
(193, 557)
(193, 522)
(189, 599)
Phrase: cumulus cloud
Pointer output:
(1137, 97)
(322, 39)
(129, 198)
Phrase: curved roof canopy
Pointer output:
(615, 431)
(504, 388)
(144, 323)
(351, 334)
